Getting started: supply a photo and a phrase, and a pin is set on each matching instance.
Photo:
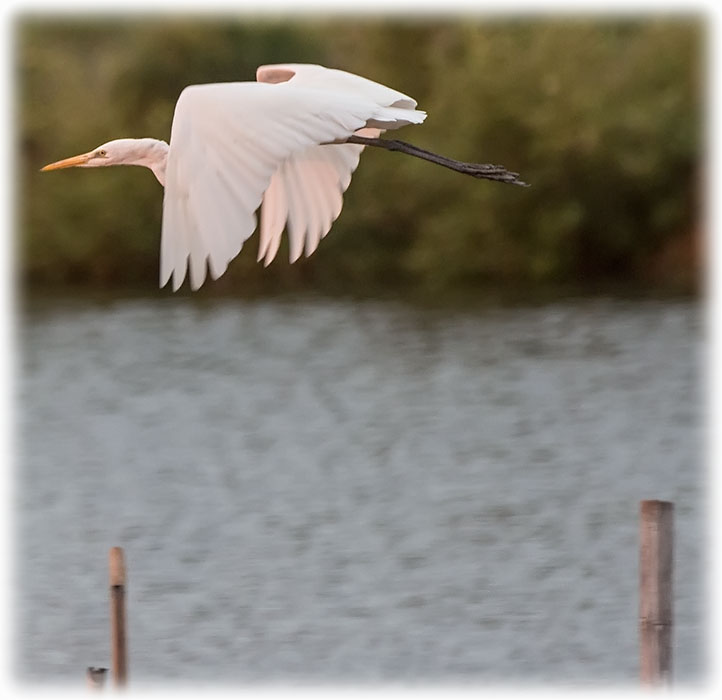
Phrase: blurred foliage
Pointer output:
(602, 116)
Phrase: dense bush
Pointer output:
(602, 117)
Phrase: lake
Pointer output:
(350, 492)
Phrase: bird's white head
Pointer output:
(151, 153)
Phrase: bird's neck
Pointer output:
(150, 153)
(153, 154)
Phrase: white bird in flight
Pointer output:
(287, 143)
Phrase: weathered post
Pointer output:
(118, 640)
(655, 592)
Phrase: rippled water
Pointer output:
(350, 492)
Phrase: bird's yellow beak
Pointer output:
(73, 162)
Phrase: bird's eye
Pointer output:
(101, 153)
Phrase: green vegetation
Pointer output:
(603, 117)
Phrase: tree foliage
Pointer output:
(603, 117)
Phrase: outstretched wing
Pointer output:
(338, 81)
(227, 141)
(306, 194)
(306, 191)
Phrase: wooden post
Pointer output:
(655, 591)
(117, 616)
(95, 677)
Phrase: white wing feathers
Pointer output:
(306, 191)
(321, 78)
(233, 142)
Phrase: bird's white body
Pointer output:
(275, 144)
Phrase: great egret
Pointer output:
(289, 141)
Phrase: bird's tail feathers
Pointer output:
(395, 117)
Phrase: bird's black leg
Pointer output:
(480, 170)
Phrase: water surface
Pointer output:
(350, 492)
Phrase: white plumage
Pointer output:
(237, 146)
